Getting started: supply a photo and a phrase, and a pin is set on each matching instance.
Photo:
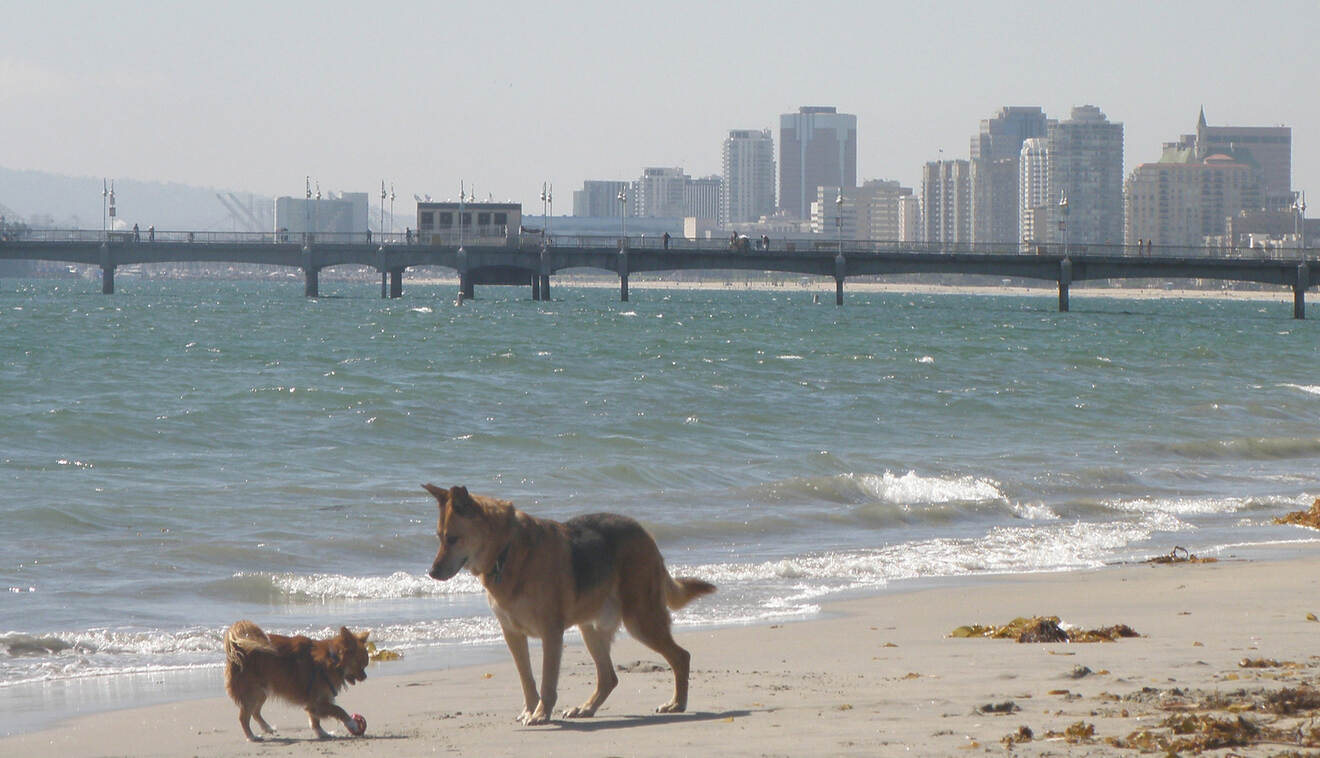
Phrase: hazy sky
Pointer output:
(256, 95)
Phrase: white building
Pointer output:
(1033, 189)
(749, 176)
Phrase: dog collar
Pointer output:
(497, 571)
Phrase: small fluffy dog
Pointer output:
(543, 576)
(298, 669)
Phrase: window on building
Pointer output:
(483, 219)
(501, 219)
(446, 220)
(426, 220)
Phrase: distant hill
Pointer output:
(74, 202)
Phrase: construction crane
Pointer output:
(245, 215)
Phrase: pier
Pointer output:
(531, 260)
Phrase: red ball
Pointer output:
(360, 723)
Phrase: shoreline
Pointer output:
(816, 285)
(871, 675)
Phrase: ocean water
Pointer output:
(181, 455)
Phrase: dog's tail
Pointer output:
(241, 639)
(679, 592)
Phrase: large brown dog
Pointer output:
(543, 576)
(298, 669)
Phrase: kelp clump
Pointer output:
(1180, 554)
(1309, 518)
(381, 654)
(1043, 629)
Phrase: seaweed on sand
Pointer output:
(1043, 629)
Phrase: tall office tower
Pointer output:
(1179, 203)
(1268, 148)
(946, 201)
(817, 148)
(995, 156)
(1086, 167)
(601, 198)
(703, 197)
(1033, 190)
(749, 176)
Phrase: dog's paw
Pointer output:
(535, 718)
(580, 712)
(671, 707)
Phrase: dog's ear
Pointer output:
(461, 501)
(363, 636)
(441, 495)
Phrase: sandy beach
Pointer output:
(874, 676)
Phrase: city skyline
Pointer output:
(349, 96)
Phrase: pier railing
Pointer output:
(649, 242)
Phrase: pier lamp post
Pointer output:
(105, 193)
(549, 198)
(623, 212)
(391, 207)
(462, 199)
(1063, 219)
(544, 221)
(307, 212)
(1299, 222)
(382, 212)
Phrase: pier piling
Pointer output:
(1065, 280)
(1299, 290)
(623, 273)
(107, 271)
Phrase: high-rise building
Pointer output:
(833, 219)
(660, 192)
(870, 212)
(703, 197)
(817, 148)
(995, 156)
(1181, 203)
(1268, 149)
(601, 198)
(909, 218)
(878, 211)
(946, 201)
(1033, 190)
(1086, 169)
(749, 176)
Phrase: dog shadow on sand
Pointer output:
(598, 724)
